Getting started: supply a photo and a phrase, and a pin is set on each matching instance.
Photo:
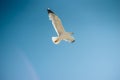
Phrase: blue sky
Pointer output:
(28, 53)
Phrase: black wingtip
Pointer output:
(73, 41)
(49, 11)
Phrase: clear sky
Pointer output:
(28, 53)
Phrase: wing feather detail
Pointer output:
(56, 22)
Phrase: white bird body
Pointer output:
(57, 24)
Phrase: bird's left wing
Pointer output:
(56, 22)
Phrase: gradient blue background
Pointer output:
(27, 52)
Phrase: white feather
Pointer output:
(57, 24)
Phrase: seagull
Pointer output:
(61, 33)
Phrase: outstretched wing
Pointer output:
(56, 22)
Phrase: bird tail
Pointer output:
(56, 40)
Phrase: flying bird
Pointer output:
(61, 33)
